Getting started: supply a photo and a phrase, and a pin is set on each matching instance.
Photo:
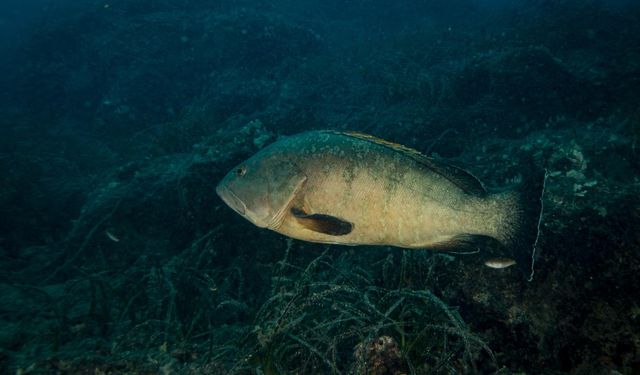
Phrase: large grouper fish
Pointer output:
(354, 189)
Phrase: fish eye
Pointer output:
(241, 171)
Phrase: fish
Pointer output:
(350, 188)
(111, 236)
(499, 263)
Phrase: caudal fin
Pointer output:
(524, 239)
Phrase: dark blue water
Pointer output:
(119, 118)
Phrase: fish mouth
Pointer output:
(231, 199)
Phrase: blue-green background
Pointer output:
(118, 118)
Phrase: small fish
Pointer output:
(499, 263)
(111, 236)
(356, 189)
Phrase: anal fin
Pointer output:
(488, 249)
(465, 244)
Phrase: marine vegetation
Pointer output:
(326, 315)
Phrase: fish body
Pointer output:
(355, 189)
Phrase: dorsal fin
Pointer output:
(461, 178)
(383, 142)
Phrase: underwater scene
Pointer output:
(357, 187)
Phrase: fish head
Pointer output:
(262, 188)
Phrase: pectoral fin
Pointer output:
(321, 223)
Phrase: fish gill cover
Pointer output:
(119, 118)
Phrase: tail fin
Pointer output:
(524, 239)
